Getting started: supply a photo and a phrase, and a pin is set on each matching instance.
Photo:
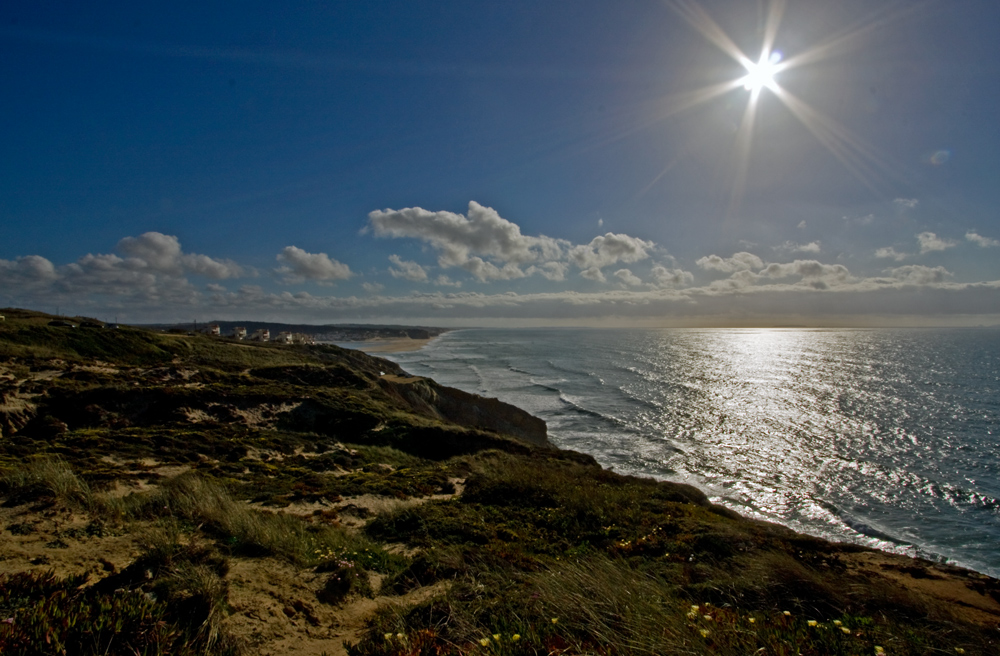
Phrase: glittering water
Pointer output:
(887, 438)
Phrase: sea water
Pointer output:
(887, 438)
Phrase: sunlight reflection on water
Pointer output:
(887, 438)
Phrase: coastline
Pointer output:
(289, 559)
(387, 345)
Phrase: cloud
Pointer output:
(890, 253)
(813, 273)
(866, 220)
(917, 274)
(983, 242)
(609, 249)
(162, 253)
(670, 278)
(483, 243)
(904, 204)
(407, 270)
(302, 266)
(492, 248)
(802, 224)
(738, 262)
(554, 271)
(27, 271)
(930, 242)
(627, 278)
(152, 273)
(905, 292)
(444, 281)
(791, 247)
(372, 287)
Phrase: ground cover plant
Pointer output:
(175, 493)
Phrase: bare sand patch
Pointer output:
(275, 609)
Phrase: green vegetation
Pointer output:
(208, 455)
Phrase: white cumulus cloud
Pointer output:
(482, 242)
(29, 270)
(162, 253)
(301, 265)
(627, 278)
(917, 274)
(742, 261)
(792, 247)
(554, 271)
(407, 270)
(815, 274)
(890, 253)
(979, 240)
(930, 242)
(608, 249)
(593, 273)
(670, 278)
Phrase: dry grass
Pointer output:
(606, 603)
(45, 477)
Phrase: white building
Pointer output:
(261, 335)
(240, 333)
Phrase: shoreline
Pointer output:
(387, 345)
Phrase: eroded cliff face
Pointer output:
(426, 397)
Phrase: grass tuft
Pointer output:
(46, 477)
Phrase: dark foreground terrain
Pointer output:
(178, 494)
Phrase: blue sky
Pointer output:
(516, 163)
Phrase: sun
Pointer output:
(762, 73)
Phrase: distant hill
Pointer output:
(328, 333)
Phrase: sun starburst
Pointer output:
(858, 158)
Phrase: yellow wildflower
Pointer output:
(485, 642)
(400, 636)
(555, 620)
(959, 650)
(704, 633)
(388, 636)
(695, 607)
(515, 637)
(752, 620)
(707, 617)
(787, 613)
(692, 615)
(845, 630)
(811, 622)
(837, 622)
(879, 650)
(496, 636)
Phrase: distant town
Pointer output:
(259, 331)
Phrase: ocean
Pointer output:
(886, 438)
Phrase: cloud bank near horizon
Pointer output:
(530, 278)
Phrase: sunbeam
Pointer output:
(860, 160)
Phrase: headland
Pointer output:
(167, 492)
